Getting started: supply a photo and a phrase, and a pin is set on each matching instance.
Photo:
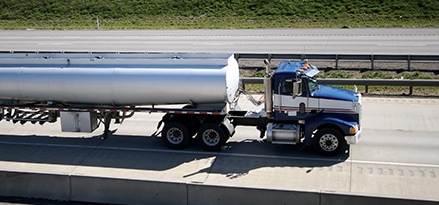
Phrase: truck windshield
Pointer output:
(312, 84)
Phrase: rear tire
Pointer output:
(329, 142)
(212, 137)
(175, 135)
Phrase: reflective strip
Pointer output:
(112, 110)
(325, 110)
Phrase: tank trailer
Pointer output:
(85, 88)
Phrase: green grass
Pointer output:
(171, 14)
(373, 90)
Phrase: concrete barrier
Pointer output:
(358, 199)
(199, 194)
(34, 185)
(128, 191)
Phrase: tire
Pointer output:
(328, 142)
(212, 137)
(175, 135)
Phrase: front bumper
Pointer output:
(353, 139)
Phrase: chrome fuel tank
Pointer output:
(119, 79)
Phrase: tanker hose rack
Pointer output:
(24, 116)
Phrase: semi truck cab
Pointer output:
(303, 111)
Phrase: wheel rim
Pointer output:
(211, 137)
(328, 142)
(174, 135)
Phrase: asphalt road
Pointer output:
(396, 41)
(311, 41)
(395, 130)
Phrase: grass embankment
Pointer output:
(230, 14)
(172, 14)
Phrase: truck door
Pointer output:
(292, 97)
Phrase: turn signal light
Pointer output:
(353, 130)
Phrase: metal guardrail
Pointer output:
(361, 82)
(337, 57)
(280, 56)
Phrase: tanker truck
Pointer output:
(197, 93)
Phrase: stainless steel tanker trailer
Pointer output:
(82, 89)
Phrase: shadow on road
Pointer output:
(150, 153)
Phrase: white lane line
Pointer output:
(395, 163)
(221, 154)
(404, 45)
(54, 43)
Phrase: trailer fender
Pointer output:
(228, 126)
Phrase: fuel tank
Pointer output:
(119, 78)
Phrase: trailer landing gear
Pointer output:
(107, 121)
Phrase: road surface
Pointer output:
(306, 41)
(397, 156)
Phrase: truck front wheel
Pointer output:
(328, 142)
(175, 135)
(212, 137)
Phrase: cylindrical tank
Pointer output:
(121, 80)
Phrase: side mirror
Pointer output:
(297, 88)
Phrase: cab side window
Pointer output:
(287, 86)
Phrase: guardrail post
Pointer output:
(237, 57)
(97, 22)
(372, 62)
(336, 61)
(408, 63)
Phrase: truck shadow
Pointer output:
(150, 154)
(240, 158)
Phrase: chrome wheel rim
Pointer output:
(174, 135)
(328, 142)
(211, 137)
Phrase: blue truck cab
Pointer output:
(302, 111)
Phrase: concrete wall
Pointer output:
(352, 199)
(125, 191)
(199, 194)
(34, 185)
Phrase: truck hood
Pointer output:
(333, 93)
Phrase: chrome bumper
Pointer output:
(353, 139)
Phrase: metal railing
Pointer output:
(372, 58)
(361, 82)
(344, 57)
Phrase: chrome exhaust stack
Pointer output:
(268, 91)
